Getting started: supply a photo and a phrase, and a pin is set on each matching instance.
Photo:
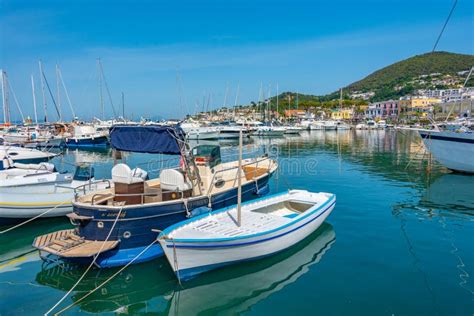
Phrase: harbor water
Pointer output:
(399, 242)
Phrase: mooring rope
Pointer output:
(33, 218)
(89, 267)
(108, 280)
(175, 261)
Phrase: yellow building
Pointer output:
(418, 102)
(342, 114)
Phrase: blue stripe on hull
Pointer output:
(427, 135)
(139, 222)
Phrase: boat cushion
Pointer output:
(173, 180)
(121, 173)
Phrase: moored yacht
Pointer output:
(453, 149)
(115, 224)
(22, 155)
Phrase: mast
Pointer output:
(45, 105)
(123, 106)
(6, 107)
(277, 99)
(34, 99)
(58, 94)
(236, 97)
(101, 98)
(239, 182)
(67, 94)
(340, 99)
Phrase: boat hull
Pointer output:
(138, 222)
(99, 141)
(453, 150)
(193, 257)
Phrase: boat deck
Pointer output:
(224, 225)
(257, 217)
(65, 243)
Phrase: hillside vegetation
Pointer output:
(384, 82)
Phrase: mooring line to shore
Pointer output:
(33, 218)
(89, 267)
(108, 280)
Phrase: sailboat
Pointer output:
(244, 232)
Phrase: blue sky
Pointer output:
(312, 47)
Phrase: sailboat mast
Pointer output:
(277, 99)
(340, 100)
(239, 181)
(58, 94)
(123, 106)
(34, 99)
(236, 97)
(6, 107)
(101, 98)
(45, 106)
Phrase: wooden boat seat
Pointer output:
(65, 243)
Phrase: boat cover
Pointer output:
(147, 139)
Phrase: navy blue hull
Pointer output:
(134, 228)
(101, 141)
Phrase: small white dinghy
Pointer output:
(269, 225)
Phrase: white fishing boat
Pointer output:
(244, 232)
(22, 155)
(454, 150)
(268, 225)
(28, 190)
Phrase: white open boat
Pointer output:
(268, 225)
(22, 155)
(28, 190)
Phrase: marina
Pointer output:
(236, 158)
(417, 207)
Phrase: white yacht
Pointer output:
(195, 131)
(453, 149)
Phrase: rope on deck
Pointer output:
(88, 268)
(33, 218)
(108, 280)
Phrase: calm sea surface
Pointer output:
(399, 242)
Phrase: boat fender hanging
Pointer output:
(199, 211)
(263, 190)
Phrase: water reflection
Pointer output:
(152, 287)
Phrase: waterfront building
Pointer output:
(383, 110)
(343, 114)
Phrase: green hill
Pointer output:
(400, 78)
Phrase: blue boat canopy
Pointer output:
(147, 139)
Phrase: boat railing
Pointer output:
(87, 186)
(252, 162)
